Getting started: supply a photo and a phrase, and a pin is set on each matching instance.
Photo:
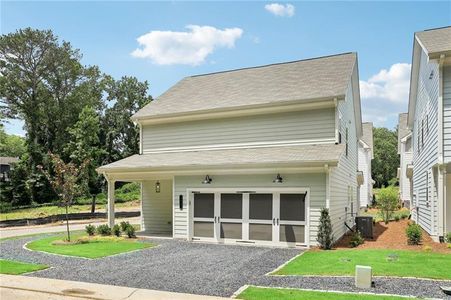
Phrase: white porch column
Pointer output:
(110, 208)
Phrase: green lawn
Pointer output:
(94, 248)
(15, 267)
(257, 293)
(400, 263)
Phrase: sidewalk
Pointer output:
(58, 227)
(22, 287)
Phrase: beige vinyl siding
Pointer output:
(447, 113)
(157, 207)
(345, 174)
(365, 166)
(313, 125)
(315, 181)
(404, 182)
(425, 154)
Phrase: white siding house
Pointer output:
(365, 148)
(251, 155)
(405, 160)
(429, 120)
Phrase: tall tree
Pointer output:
(386, 160)
(127, 96)
(11, 145)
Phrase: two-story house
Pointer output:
(405, 160)
(365, 150)
(429, 118)
(251, 155)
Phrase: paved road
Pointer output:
(60, 227)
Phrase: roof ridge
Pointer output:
(437, 28)
(273, 64)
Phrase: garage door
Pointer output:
(260, 217)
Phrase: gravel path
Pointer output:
(208, 269)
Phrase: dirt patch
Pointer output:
(393, 236)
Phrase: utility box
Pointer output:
(365, 226)
(363, 277)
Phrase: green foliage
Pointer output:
(356, 239)
(386, 160)
(414, 233)
(397, 217)
(116, 230)
(104, 229)
(325, 237)
(448, 237)
(11, 145)
(387, 201)
(124, 225)
(90, 229)
(130, 231)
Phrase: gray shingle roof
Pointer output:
(367, 134)
(435, 40)
(304, 80)
(6, 160)
(291, 155)
(403, 130)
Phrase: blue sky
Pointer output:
(239, 34)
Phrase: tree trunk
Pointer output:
(67, 223)
(93, 204)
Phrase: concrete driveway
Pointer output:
(176, 266)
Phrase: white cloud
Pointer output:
(280, 10)
(189, 47)
(385, 95)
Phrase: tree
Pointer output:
(386, 160)
(387, 200)
(65, 181)
(128, 95)
(325, 237)
(85, 145)
(11, 145)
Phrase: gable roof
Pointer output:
(435, 41)
(403, 129)
(304, 80)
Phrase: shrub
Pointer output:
(124, 225)
(413, 233)
(356, 239)
(397, 218)
(427, 248)
(325, 237)
(117, 230)
(104, 229)
(448, 237)
(387, 200)
(90, 229)
(130, 231)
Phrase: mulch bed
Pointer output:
(393, 236)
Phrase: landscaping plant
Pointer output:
(117, 230)
(413, 233)
(448, 237)
(387, 201)
(90, 229)
(356, 239)
(124, 225)
(104, 229)
(325, 237)
(130, 231)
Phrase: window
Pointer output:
(347, 142)
(408, 145)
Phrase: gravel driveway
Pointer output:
(208, 269)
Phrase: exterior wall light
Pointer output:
(157, 186)
(278, 179)
(207, 180)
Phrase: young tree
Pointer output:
(325, 237)
(387, 200)
(386, 159)
(65, 181)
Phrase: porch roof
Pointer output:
(301, 155)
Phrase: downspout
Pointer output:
(441, 165)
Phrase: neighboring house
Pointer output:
(6, 165)
(429, 117)
(405, 160)
(249, 155)
(365, 149)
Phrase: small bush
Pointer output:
(130, 231)
(356, 239)
(90, 229)
(413, 233)
(427, 248)
(104, 229)
(397, 218)
(124, 225)
(325, 237)
(448, 237)
(117, 230)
